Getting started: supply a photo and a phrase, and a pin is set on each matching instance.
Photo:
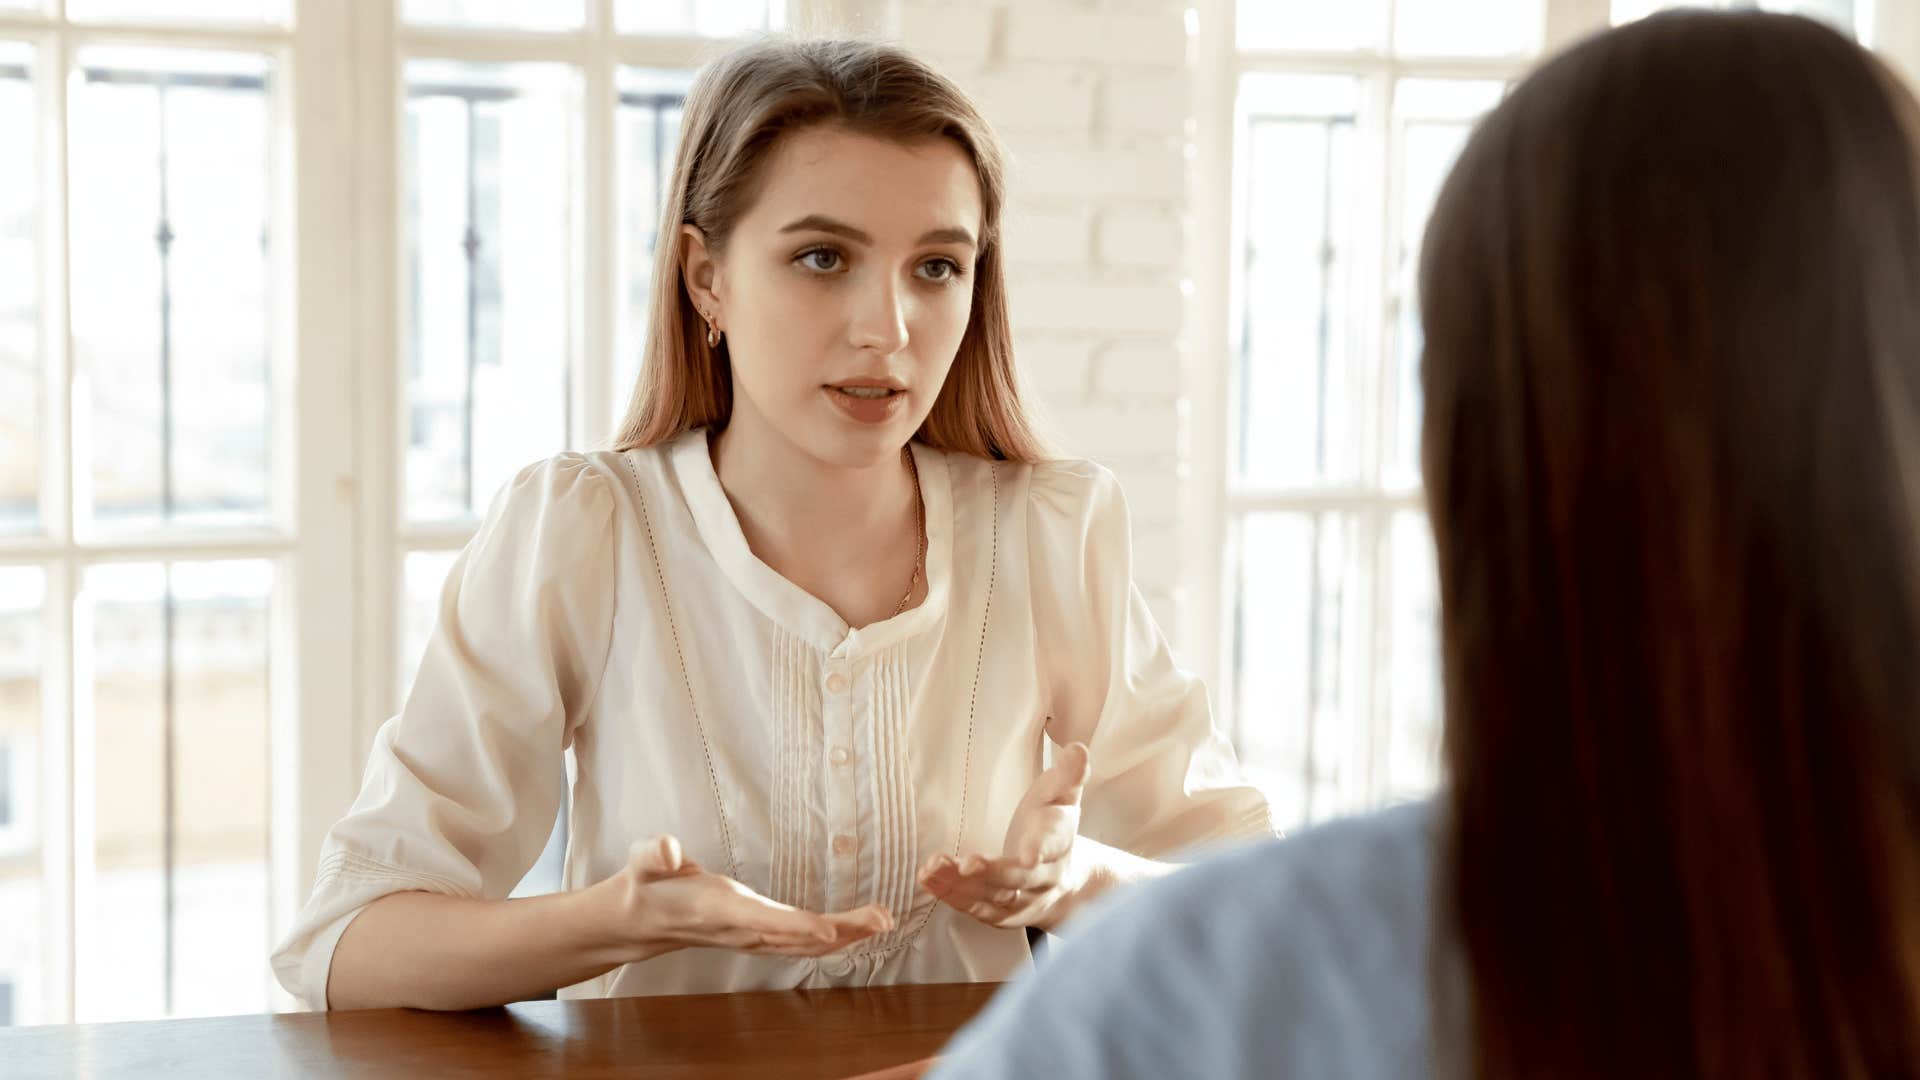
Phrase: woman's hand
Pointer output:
(669, 902)
(1036, 877)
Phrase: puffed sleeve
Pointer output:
(1164, 778)
(461, 788)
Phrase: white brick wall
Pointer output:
(1093, 103)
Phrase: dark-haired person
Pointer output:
(1672, 447)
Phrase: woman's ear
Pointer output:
(700, 273)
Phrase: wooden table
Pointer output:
(799, 1034)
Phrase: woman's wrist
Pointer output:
(616, 922)
(1093, 870)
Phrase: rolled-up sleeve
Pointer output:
(1164, 778)
(461, 787)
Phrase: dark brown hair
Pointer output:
(1672, 376)
(740, 105)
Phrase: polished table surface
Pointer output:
(799, 1034)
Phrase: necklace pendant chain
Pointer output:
(920, 530)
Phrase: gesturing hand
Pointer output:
(1035, 875)
(673, 903)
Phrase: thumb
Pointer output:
(1063, 784)
(659, 857)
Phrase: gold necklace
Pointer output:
(920, 529)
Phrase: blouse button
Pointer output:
(836, 683)
(843, 845)
(839, 756)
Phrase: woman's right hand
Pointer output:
(670, 902)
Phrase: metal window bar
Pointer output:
(1330, 126)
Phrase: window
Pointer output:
(1344, 121)
(147, 363)
(267, 348)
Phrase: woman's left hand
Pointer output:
(1036, 877)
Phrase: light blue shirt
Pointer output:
(1301, 958)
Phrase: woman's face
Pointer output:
(844, 289)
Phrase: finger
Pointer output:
(659, 857)
(751, 911)
(864, 921)
(1006, 874)
(995, 915)
(1063, 784)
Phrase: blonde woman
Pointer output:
(806, 627)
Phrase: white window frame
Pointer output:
(1212, 501)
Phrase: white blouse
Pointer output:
(610, 604)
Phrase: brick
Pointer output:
(1142, 238)
(1139, 369)
(1053, 171)
(1145, 104)
(948, 31)
(1036, 99)
(1048, 236)
(1149, 38)
(1109, 433)
(1097, 306)
(1058, 369)
(1042, 31)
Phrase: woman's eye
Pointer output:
(940, 270)
(824, 260)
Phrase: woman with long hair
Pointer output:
(807, 628)
(1671, 299)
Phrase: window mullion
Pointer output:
(596, 229)
(53, 59)
(312, 643)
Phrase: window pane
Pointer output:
(172, 288)
(20, 353)
(1432, 119)
(1412, 753)
(1295, 387)
(1850, 16)
(706, 18)
(649, 130)
(24, 948)
(496, 14)
(275, 11)
(492, 277)
(1468, 27)
(1297, 716)
(1311, 24)
(172, 918)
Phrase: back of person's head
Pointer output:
(1671, 298)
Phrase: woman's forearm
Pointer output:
(431, 951)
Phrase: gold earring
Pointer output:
(713, 333)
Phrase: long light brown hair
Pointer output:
(738, 107)
(1672, 380)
